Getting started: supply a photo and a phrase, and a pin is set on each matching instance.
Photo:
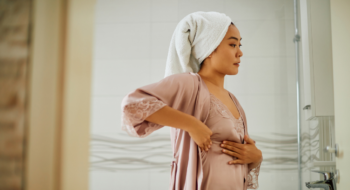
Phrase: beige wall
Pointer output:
(59, 103)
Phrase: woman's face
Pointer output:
(226, 56)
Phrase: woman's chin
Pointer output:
(233, 72)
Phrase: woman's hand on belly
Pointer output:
(246, 153)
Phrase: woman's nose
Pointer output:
(240, 53)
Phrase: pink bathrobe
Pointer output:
(187, 93)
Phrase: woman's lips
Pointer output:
(237, 64)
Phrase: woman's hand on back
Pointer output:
(201, 135)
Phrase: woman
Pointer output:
(209, 136)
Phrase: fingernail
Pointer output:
(222, 145)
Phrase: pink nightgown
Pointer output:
(218, 174)
(176, 91)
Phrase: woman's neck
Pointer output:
(215, 81)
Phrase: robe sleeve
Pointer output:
(253, 176)
(174, 91)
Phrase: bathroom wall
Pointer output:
(131, 43)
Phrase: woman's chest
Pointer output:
(225, 98)
(222, 123)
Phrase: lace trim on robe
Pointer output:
(252, 180)
(217, 106)
(135, 113)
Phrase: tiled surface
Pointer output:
(119, 77)
(119, 180)
(263, 76)
(125, 40)
(123, 11)
(259, 10)
(267, 37)
(161, 33)
(105, 112)
(132, 38)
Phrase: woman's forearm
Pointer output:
(169, 116)
(199, 132)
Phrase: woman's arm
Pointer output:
(198, 131)
(151, 107)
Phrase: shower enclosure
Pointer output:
(277, 71)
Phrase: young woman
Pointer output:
(209, 136)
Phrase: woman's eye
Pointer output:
(234, 45)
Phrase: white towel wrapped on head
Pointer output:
(195, 37)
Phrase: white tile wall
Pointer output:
(161, 33)
(120, 180)
(131, 43)
(105, 112)
(127, 40)
(118, 77)
(267, 37)
(259, 10)
(123, 11)
(165, 11)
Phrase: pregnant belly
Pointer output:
(217, 173)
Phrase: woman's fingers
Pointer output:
(201, 135)
(204, 147)
(232, 153)
(232, 148)
(207, 145)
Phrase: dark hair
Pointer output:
(200, 65)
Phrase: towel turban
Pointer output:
(195, 37)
